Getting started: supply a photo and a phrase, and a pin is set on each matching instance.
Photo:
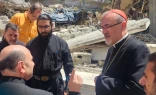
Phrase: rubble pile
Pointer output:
(10, 7)
(145, 37)
(3, 21)
(73, 31)
(51, 8)
(86, 28)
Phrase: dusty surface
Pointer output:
(91, 68)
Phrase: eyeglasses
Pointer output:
(45, 27)
(107, 26)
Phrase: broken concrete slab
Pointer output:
(18, 2)
(96, 36)
(81, 57)
(73, 31)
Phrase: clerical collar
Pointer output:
(120, 40)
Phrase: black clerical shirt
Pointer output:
(123, 68)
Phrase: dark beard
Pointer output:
(46, 36)
(153, 91)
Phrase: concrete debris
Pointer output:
(3, 21)
(73, 31)
(145, 37)
(10, 7)
(85, 35)
(96, 36)
(81, 57)
(48, 10)
(5, 18)
(16, 4)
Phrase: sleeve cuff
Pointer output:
(74, 93)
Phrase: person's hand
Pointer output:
(75, 82)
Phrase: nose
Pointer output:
(142, 81)
(104, 31)
(13, 37)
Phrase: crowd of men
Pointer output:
(31, 58)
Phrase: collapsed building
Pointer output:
(77, 22)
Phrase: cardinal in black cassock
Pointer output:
(123, 67)
(121, 74)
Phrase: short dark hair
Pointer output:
(11, 60)
(12, 26)
(44, 17)
(35, 6)
(152, 58)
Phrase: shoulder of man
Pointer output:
(135, 42)
(135, 46)
(21, 89)
(18, 15)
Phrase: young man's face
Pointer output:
(44, 27)
(148, 80)
(11, 36)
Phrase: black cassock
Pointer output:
(123, 68)
(49, 55)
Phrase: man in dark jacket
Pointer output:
(126, 58)
(10, 36)
(16, 66)
(49, 53)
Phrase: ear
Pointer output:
(124, 25)
(21, 66)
